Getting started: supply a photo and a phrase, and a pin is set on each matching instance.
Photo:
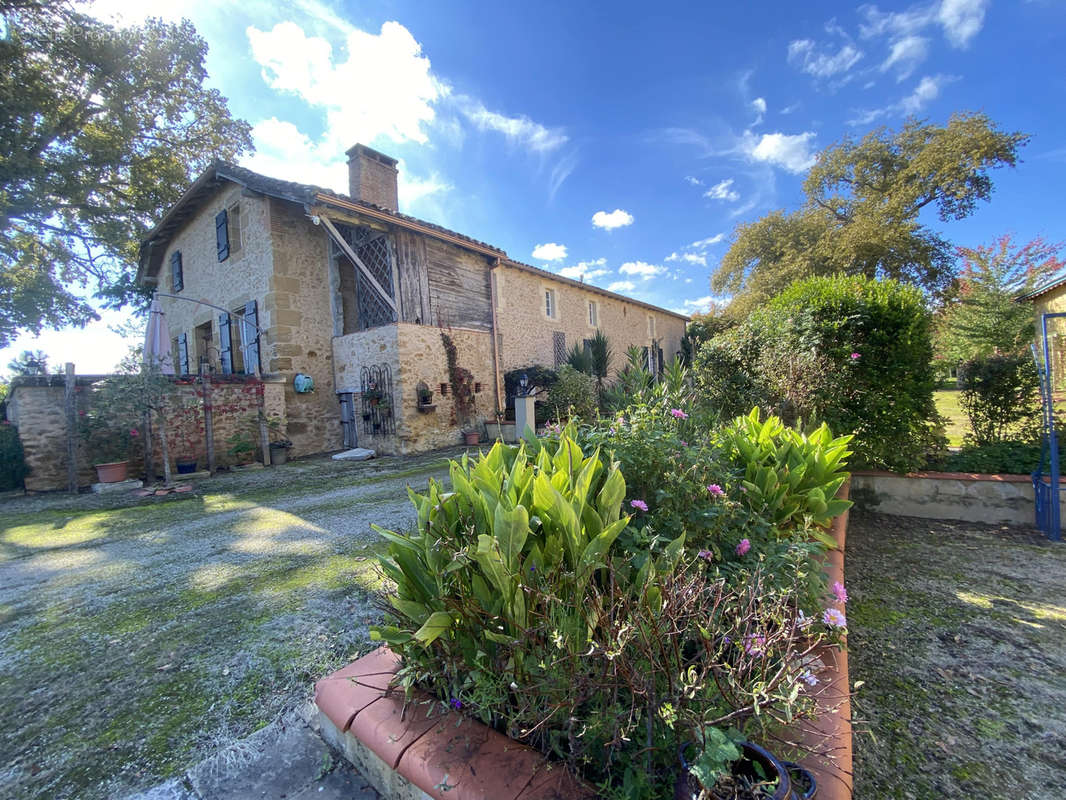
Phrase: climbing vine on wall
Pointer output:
(462, 383)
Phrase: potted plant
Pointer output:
(108, 434)
(279, 445)
(425, 399)
(725, 769)
(241, 447)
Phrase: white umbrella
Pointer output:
(157, 340)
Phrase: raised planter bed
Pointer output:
(431, 751)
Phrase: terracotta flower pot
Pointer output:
(114, 472)
(471, 437)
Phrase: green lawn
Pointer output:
(135, 639)
(947, 403)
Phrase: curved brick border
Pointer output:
(429, 751)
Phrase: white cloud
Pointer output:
(621, 286)
(701, 244)
(701, 305)
(641, 268)
(692, 180)
(802, 53)
(791, 151)
(611, 220)
(759, 104)
(586, 270)
(412, 189)
(723, 191)
(396, 105)
(550, 252)
(905, 56)
(519, 130)
(961, 20)
(690, 258)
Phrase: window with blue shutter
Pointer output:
(225, 345)
(222, 234)
(183, 354)
(177, 279)
(251, 338)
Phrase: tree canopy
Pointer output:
(101, 130)
(862, 208)
(981, 315)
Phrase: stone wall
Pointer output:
(526, 332)
(36, 408)
(352, 352)
(422, 359)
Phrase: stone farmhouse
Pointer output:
(365, 301)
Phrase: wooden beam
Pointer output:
(343, 245)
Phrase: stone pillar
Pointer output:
(524, 415)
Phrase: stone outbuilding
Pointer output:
(388, 316)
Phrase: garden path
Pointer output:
(137, 638)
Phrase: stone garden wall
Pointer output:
(36, 408)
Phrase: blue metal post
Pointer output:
(1047, 496)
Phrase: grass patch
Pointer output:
(957, 424)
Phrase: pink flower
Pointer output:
(639, 504)
(706, 555)
(133, 432)
(684, 444)
(678, 413)
(834, 618)
(854, 356)
(754, 643)
(743, 547)
(716, 490)
(840, 592)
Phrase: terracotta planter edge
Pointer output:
(407, 749)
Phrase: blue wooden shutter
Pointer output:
(177, 279)
(225, 346)
(183, 354)
(251, 338)
(222, 234)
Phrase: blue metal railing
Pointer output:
(1046, 488)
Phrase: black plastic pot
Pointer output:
(185, 467)
(279, 453)
(804, 789)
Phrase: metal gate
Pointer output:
(377, 401)
(1046, 486)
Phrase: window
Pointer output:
(238, 341)
(551, 311)
(177, 277)
(651, 326)
(183, 354)
(594, 314)
(234, 216)
(204, 345)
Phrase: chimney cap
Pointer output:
(369, 152)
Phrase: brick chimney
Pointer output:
(372, 177)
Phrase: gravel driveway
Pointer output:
(137, 637)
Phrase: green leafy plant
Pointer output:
(572, 395)
(790, 477)
(716, 755)
(999, 394)
(579, 358)
(1005, 457)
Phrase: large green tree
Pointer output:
(101, 129)
(981, 315)
(861, 215)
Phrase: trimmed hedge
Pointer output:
(13, 469)
(853, 352)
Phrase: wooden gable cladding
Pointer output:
(437, 283)
(412, 266)
(460, 291)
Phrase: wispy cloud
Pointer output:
(621, 286)
(611, 220)
(927, 90)
(959, 20)
(790, 151)
(905, 56)
(701, 244)
(690, 258)
(549, 251)
(804, 54)
(519, 130)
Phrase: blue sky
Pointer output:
(620, 142)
